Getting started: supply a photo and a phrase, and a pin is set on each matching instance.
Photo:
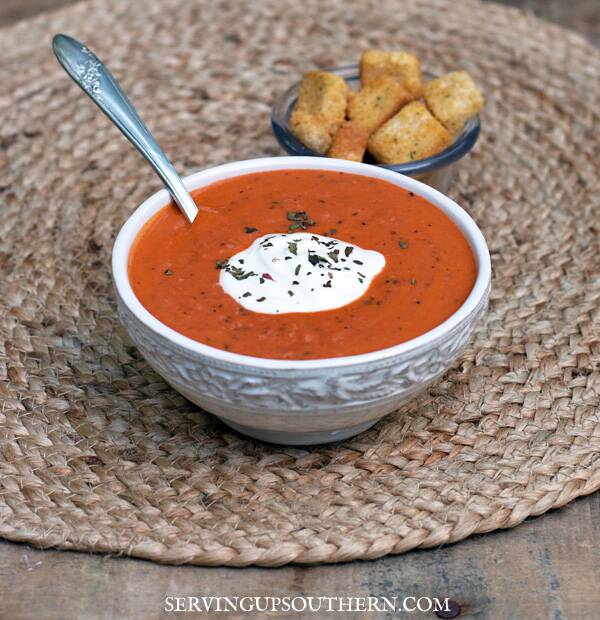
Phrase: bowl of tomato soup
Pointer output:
(309, 298)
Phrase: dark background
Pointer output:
(580, 15)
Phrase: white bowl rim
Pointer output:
(132, 226)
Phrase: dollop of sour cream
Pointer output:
(299, 272)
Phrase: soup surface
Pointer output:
(175, 268)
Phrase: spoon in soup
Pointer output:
(88, 72)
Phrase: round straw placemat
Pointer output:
(98, 453)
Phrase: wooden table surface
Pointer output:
(545, 568)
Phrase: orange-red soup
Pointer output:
(429, 271)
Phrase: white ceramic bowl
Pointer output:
(304, 401)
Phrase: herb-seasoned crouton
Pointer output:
(413, 133)
(320, 109)
(377, 102)
(349, 142)
(404, 67)
(311, 131)
(453, 99)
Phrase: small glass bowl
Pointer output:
(437, 171)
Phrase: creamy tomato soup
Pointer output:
(302, 264)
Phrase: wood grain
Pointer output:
(545, 568)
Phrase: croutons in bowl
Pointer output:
(381, 123)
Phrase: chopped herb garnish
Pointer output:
(168, 272)
(413, 281)
(333, 255)
(300, 220)
(348, 251)
(293, 247)
(238, 273)
(403, 244)
(317, 260)
(261, 299)
(291, 293)
(327, 284)
(221, 264)
(247, 294)
(357, 262)
(250, 229)
(297, 270)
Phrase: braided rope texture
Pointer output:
(98, 453)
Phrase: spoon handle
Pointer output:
(86, 70)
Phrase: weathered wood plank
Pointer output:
(545, 568)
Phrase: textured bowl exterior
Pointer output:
(305, 401)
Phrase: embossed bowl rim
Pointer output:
(149, 207)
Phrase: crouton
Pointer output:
(320, 109)
(312, 132)
(349, 142)
(412, 134)
(404, 67)
(453, 99)
(377, 102)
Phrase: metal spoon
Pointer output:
(95, 79)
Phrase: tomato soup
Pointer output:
(176, 269)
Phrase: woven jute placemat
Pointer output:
(98, 453)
